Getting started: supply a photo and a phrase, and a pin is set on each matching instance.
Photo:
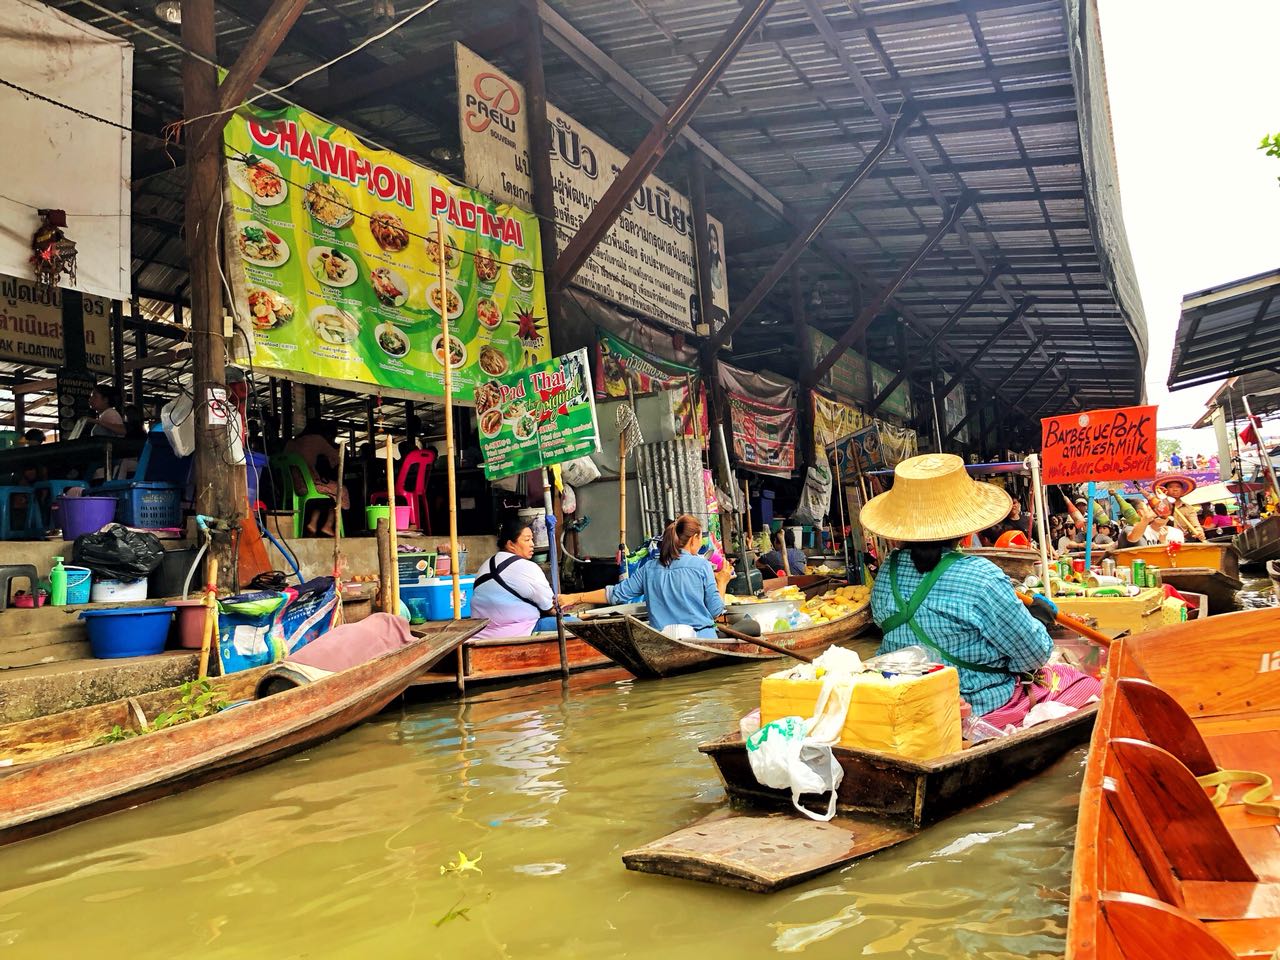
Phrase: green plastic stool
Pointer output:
(295, 473)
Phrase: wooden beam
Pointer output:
(815, 226)
(886, 292)
(974, 296)
(257, 53)
(1015, 317)
(659, 139)
(543, 184)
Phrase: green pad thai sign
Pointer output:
(539, 416)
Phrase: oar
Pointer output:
(761, 642)
(1071, 623)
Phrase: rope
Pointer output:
(1257, 800)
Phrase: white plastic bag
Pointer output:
(179, 424)
(782, 757)
(580, 472)
(832, 707)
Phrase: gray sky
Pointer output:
(1193, 88)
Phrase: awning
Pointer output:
(1262, 387)
(1228, 331)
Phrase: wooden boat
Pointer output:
(1209, 568)
(1260, 543)
(1017, 562)
(882, 801)
(1118, 615)
(491, 661)
(649, 654)
(60, 773)
(1273, 571)
(1159, 870)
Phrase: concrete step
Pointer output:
(37, 691)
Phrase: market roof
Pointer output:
(1227, 331)
(1012, 110)
(1262, 387)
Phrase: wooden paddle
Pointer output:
(1071, 623)
(761, 642)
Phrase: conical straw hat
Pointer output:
(933, 498)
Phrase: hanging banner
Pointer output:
(860, 451)
(955, 407)
(646, 260)
(337, 264)
(1116, 444)
(31, 326)
(764, 436)
(622, 366)
(848, 377)
(540, 416)
(833, 420)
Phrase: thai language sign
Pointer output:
(848, 377)
(338, 262)
(1117, 444)
(31, 326)
(540, 416)
(646, 260)
(764, 436)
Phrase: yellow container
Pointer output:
(1135, 614)
(916, 717)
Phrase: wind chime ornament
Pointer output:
(53, 254)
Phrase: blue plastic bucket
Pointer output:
(128, 631)
(438, 594)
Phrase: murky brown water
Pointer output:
(337, 853)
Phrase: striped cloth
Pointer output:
(1056, 683)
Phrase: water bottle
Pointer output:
(58, 583)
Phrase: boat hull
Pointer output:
(1260, 543)
(1209, 568)
(89, 781)
(649, 655)
(495, 661)
(1017, 563)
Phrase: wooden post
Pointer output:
(448, 421)
(337, 532)
(804, 359)
(117, 345)
(544, 197)
(393, 579)
(216, 486)
(210, 613)
(386, 565)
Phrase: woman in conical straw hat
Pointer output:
(961, 608)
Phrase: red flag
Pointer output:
(1250, 433)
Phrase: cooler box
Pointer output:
(915, 717)
(438, 596)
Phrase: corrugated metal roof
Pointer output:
(1227, 331)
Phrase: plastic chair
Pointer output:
(411, 483)
(33, 525)
(298, 488)
(10, 572)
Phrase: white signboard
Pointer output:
(62, 159)
(646, 260)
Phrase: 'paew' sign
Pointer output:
(1118, 444)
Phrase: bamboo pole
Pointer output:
(844, 527)
(210, 613)
(554, 558)
(393, 572)
(337, 534)
(448, 420)
(622, 505)
(1040, 500)
(385, 563)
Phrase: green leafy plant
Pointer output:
(196, 699)
(1271, 144)
(116, 734)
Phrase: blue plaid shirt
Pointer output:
(972, 613)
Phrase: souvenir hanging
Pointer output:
(53, 254)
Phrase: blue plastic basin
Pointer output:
(127, 632)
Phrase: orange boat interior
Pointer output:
(1160, 870)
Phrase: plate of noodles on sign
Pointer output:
(260, 179)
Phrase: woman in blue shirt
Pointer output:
(681, 588)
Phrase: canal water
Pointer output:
(338, 852)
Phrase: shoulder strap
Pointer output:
(495, 574)
(907, 611)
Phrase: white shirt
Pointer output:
(507, 615)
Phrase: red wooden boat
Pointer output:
(60, 773)
(1160, 871)
(492, 661)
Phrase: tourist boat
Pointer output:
(883, 800)
(58, 771)
(649, 654)
(1209, 568)
(1261, 542)
(1159, 869)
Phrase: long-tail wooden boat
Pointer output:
(1159, 870)
(882, 801)
(492, 661)
(1209, 568)
(1261, 542)
(649, 654)
(59, 772)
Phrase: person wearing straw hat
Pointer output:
(962, 608)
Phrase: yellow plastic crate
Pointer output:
(916, 717)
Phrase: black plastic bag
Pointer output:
(118, 553)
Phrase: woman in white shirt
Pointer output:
(511, 591)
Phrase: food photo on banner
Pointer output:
(336, 262)
(1113, 444)
(543, 415)
(764, 435)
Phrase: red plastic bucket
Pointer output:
(85, 514)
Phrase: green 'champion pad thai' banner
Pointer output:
(540, 416)
(338, 262)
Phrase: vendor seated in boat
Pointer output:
(771, 565)
(680, 588)
(962, 608)
(511, 591)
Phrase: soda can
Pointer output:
(1108, 567)
(1155, 577)
(1077, 564)
(1140, 573)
